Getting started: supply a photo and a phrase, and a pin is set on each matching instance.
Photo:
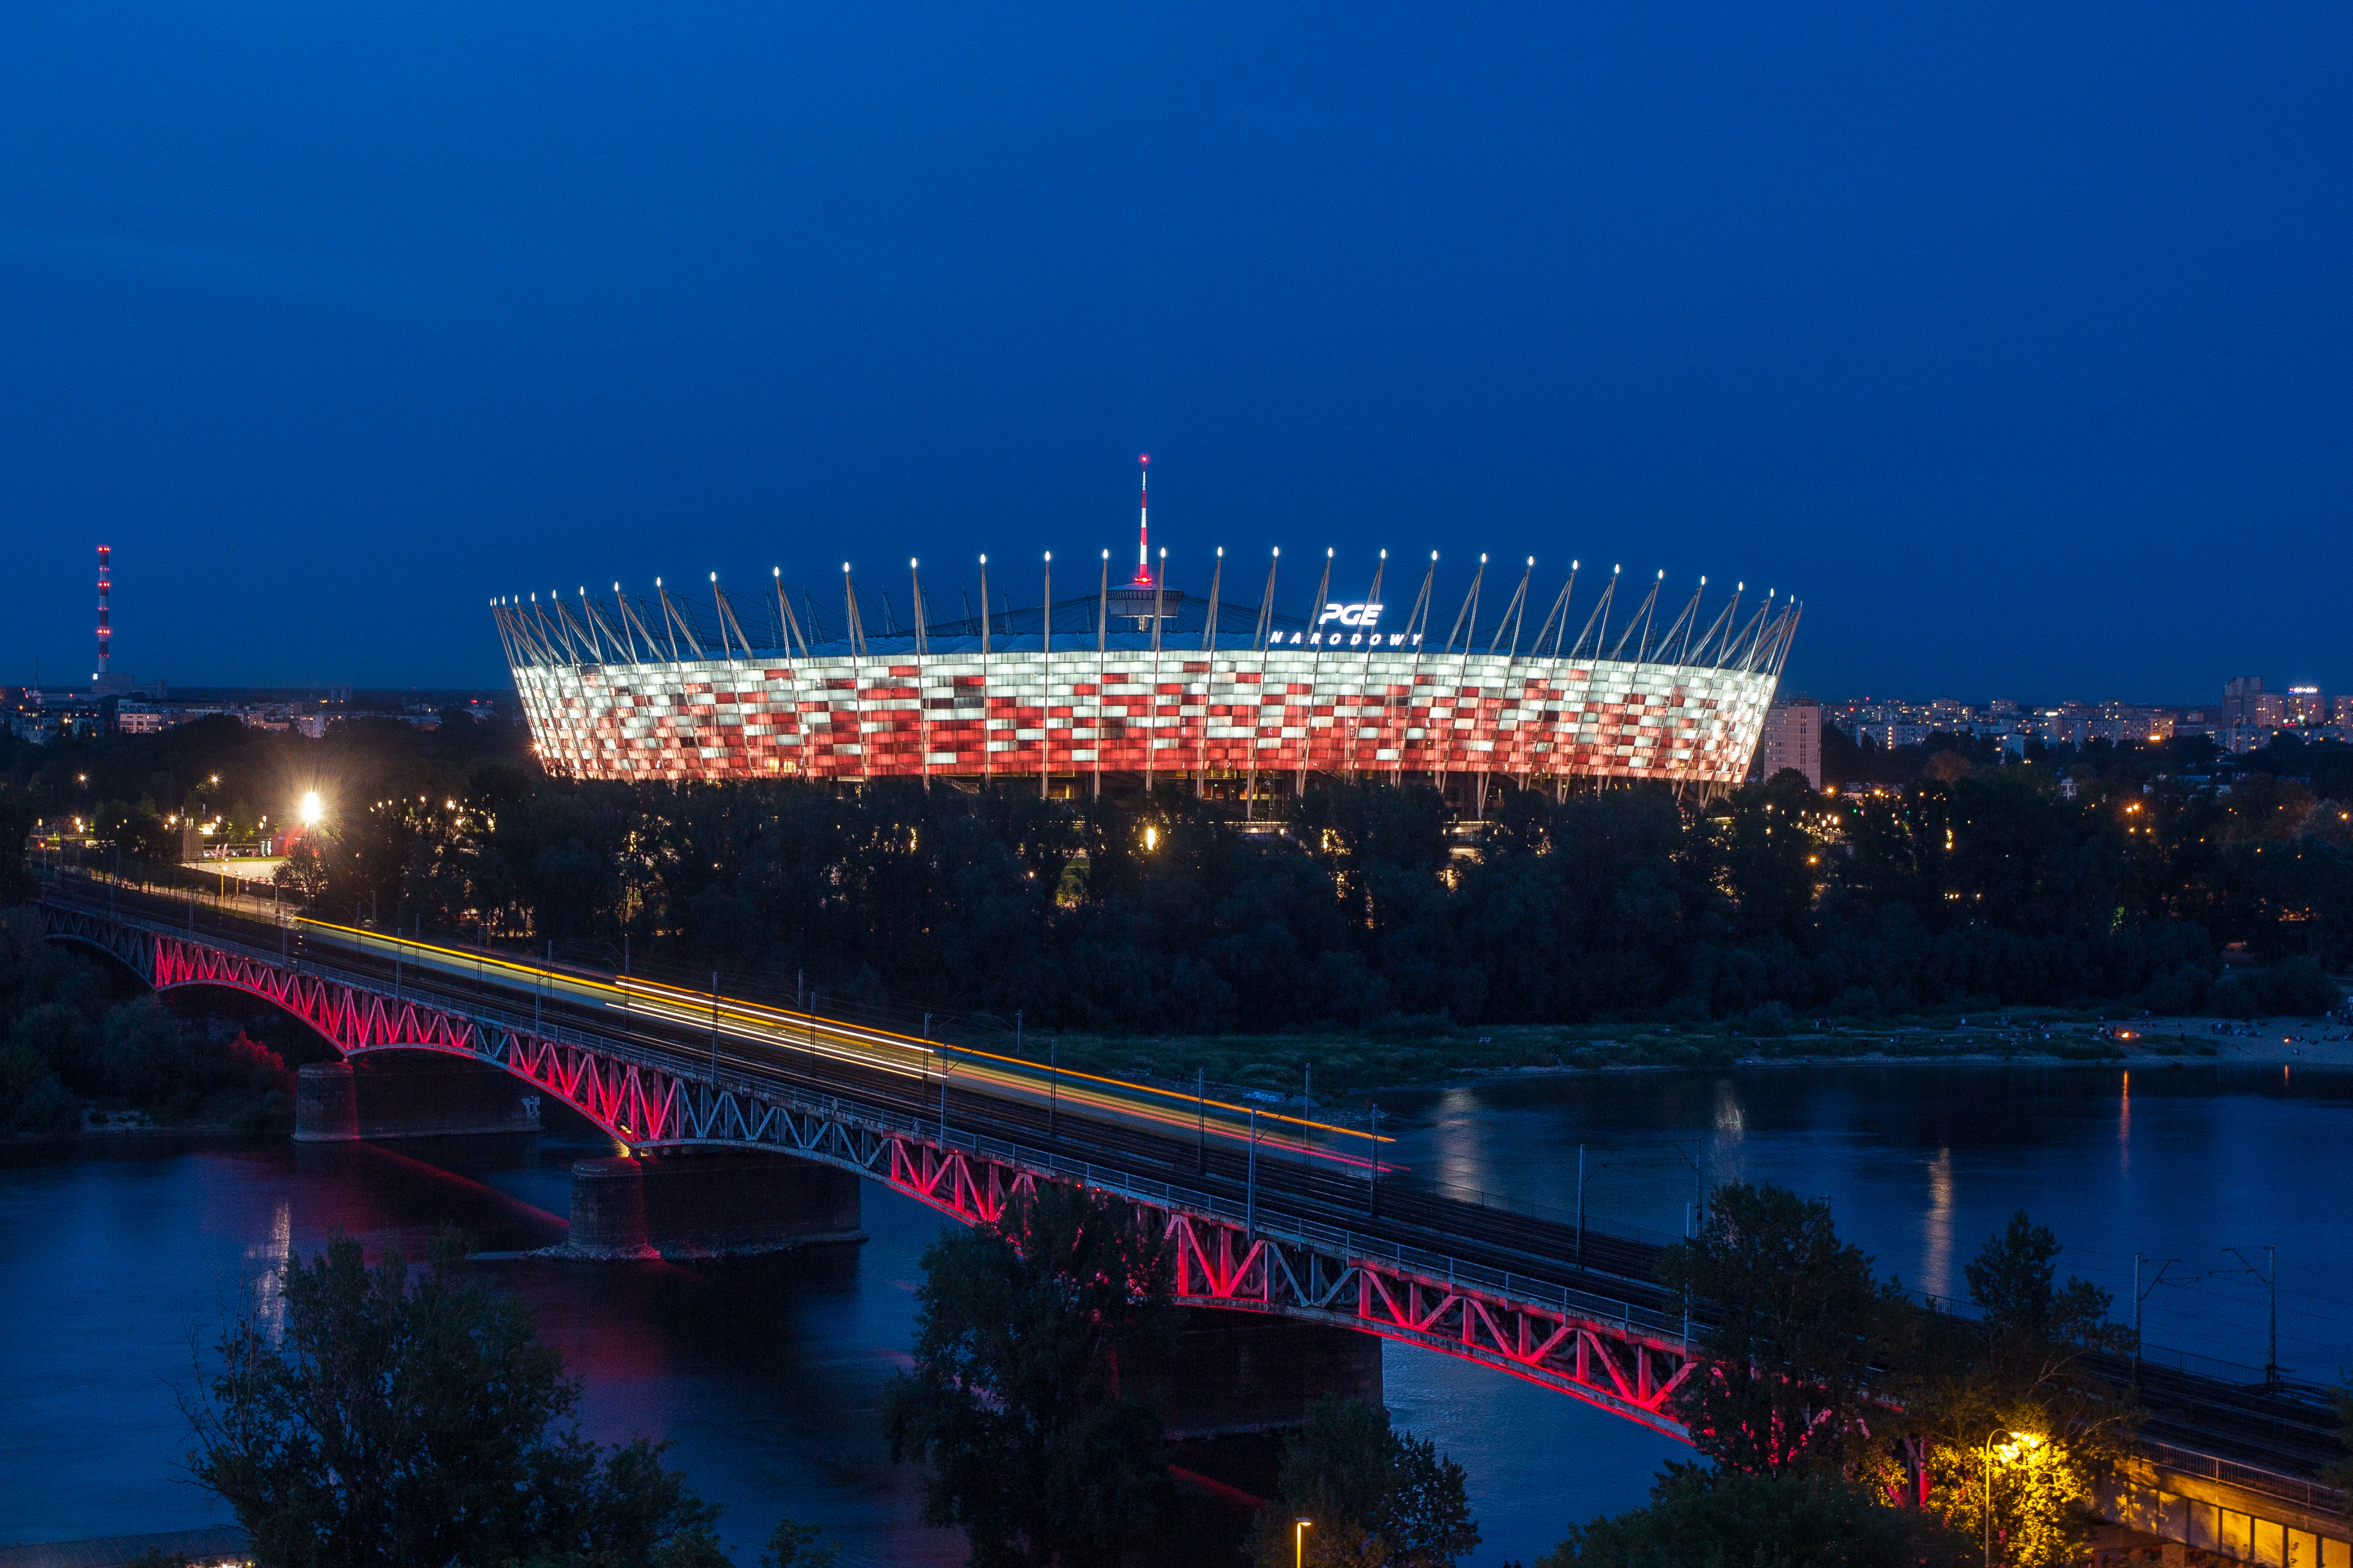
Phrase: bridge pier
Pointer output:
(408, 1094)
(698, 1204)
(1234, 1372)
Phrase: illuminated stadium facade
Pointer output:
(1138, 682)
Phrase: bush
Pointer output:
(1767, 1018)
(2294, 989)
(2183, 991)
(32, 1100)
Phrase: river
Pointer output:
(767, 1375)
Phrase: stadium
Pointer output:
(1137, 683)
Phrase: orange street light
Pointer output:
(1299, 1543)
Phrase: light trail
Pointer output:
(788, 1033)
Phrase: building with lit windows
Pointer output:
(1793, 739)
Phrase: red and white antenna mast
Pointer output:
(105, 633)
(1143, 520)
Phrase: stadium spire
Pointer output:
(1143, 520)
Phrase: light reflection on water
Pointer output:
(1923, 1163)
(767, 1374)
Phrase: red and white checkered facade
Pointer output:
(1031, 713)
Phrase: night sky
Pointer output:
(2014, 340)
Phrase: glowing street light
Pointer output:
(2020, 1444)
(310, 808)
(1299, 1541)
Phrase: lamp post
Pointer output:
(1250, 1182)
(1299, 1541)
(2020, 1442)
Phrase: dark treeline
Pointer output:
(79, 1039)
(1986, 886)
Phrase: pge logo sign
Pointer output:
(1360, 620)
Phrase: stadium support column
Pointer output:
(1103, 635)
(1258, 700)
(1416, 625)
(1045, 685)
(986, 767)
(1152, 699)
(1364, 676)
(1314, 672)
(1208, 674)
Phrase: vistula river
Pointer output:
(767, 1375)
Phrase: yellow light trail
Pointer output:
(884, 1050)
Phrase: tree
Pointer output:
(792, 1545)
(304, 869)
(17, 883)
(1724, 1519)
(1379, 1499)
(2011, 1280)
(2007, 1417)
(2340, 1474)
(386, 1422)
(1030, 1446)
(1796, 1317)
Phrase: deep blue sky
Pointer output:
(2014, 339)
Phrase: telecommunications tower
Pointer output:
(105, 634)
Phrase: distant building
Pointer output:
(2243, 701)
(1793, 739)
(1887, 737)
(2304, 707)
(2340, 712)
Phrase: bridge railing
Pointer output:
(2302, 1490)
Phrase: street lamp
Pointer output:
(2019, 1443)
(1299, 1543)
(310, 808)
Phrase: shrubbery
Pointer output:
(67, 1040)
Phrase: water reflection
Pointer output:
(1459, 1138)
(1937, 1227)
(2180, 1162)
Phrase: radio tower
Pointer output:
(103, 633)
(1143, 520)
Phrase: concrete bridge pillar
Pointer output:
(698, 1204)
(1234, 1373)
(408, 1094)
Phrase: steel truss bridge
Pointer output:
(1261, 1245)
(1569, 1310)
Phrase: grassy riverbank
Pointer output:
(1347, 1064)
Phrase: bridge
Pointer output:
(1293, 1225)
